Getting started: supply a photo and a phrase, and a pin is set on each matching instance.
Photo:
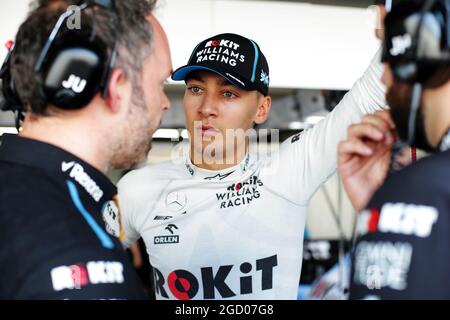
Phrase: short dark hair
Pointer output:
(127, 27)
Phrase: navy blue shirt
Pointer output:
(55, 210)
(402, 251)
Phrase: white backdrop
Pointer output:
(307, 46)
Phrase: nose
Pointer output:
(208, 107)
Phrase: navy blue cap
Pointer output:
(234, 57)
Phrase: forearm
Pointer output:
(368, 92)
(366, 96)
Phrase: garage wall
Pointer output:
(308, 47)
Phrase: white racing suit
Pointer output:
(238, 233)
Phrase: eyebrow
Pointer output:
(194, 76)
(222, 82)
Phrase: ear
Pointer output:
(264, 104)
(116, 90)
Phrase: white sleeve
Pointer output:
(305, 162)
(129, 208)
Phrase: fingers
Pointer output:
(377, 127)
(365, 131)
(353, 147)
(378, 122)
(386, 116)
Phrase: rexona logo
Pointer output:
(184, 285)
(79, 175)
(241, 193)
(80, 275)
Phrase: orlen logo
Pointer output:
(80, 275)
(76, 84)
(184, 285)
(407, 219)
(77, 173)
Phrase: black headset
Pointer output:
(416, 45)
(10, 98)
(419, 43)
(70, 69)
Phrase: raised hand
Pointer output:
(365, 156)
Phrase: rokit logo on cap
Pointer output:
(223, 51)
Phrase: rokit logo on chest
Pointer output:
(241, 193)
(216, 282)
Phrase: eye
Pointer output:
(195, 90)
(229, 95)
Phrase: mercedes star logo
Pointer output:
(176, 201)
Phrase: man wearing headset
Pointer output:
(86, 111)
(402, 251)
(223, 222)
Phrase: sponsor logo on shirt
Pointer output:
(168, 239)
(111, 217)
(170, 227)
(176, 201)
(184, 285)
(399, 218)
(241, 193)
(79, 175)
(382, 264)
(162, 218)
(79, 275)
(219, 176)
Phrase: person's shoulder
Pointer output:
(429, 172)
(26, 185)
(150, 173)
(427, 178)
(45, 273)
(150, 178)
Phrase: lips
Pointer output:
(207, 130)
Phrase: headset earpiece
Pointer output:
(74, 76)
(73, 68)
(12, 100)
(420, 43)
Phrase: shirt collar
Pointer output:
(221, 175)
(58, 163)
(445, 142)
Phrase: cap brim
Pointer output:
(181, 74)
